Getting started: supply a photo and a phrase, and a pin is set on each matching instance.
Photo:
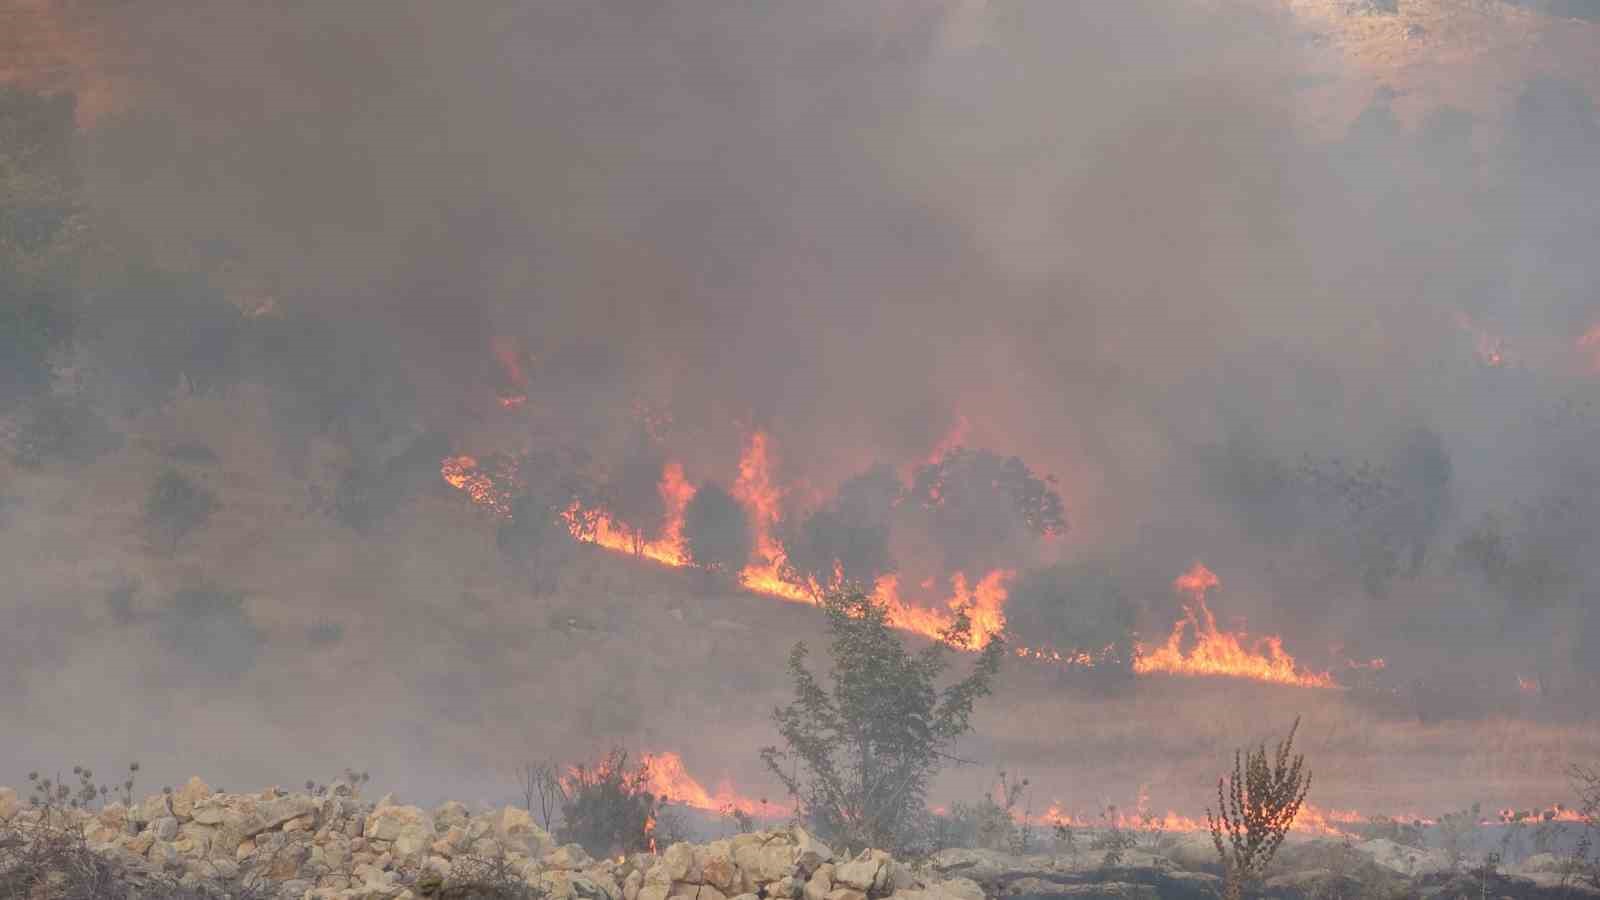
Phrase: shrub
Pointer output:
(980, 505)
(177, 506)
(716, 531)
(1255, 811)
(608, 808)
(859, 754)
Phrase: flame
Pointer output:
(1217, 652)
(672, 782)
(676, 492)
(514, 390)
(463, 473)
(1589, 345)
(764, 501)
(1528, 686)
(984, 604)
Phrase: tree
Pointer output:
(859, 754)
(633, 496)
(981, 504)
(1255, 811)
(847, 539)
(608, 808)
(716, 531)
(1079, 607)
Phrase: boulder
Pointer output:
(184, 798)
(717, 867)
(165, 828)
(515, 827)
(568, 857)
(680, 863)
(864, 873)
(9, 804)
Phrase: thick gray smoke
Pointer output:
(1346, 371)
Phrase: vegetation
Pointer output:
(633, 494)
(979, 504)
(716, 531)
(858, 755)
(1075, 607)
(608, 808)
(176, 506)
(990, 823)
(846, 540)
(1255, 810)
(1586, 856)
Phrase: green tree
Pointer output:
(859, 754)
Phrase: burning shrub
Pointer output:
(989, 824)
(177, 506)
(608, 808)
(1078, 607)
(633, 495)
(981, 504)
(716, 531)
(845, 541)
(858, 756)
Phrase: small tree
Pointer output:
(1255, 810)
(608, 808)
(541, 790)
(716, 531)
(858, 756)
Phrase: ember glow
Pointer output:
(1215, 652)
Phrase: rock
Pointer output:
(715, 862)
(844, 893)
(388, 821)
(9, 804)
(165, 828)
(151, 808)
(208, 812)
(707, 892)
(654, 891)
(450, 814)
(820, 883)
(680, 863)
(809, 852)
(864, 873)
(516, 827)
(568, 857)
(632, 884)
(184, 798)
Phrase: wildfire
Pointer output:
(1217, 652)
(1210, 651)
(1491, 349)
(670, 780)
(513, 392)
(464, 474)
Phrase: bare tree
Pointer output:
(542, 793)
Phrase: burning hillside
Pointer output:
(1195, 647)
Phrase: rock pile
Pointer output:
(197, 843)
(331, 846)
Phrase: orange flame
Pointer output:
(1217, 652)
(676, 492)
(672, 782)
(1490, 348)
(463, 473)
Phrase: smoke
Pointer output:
(1110, 237)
